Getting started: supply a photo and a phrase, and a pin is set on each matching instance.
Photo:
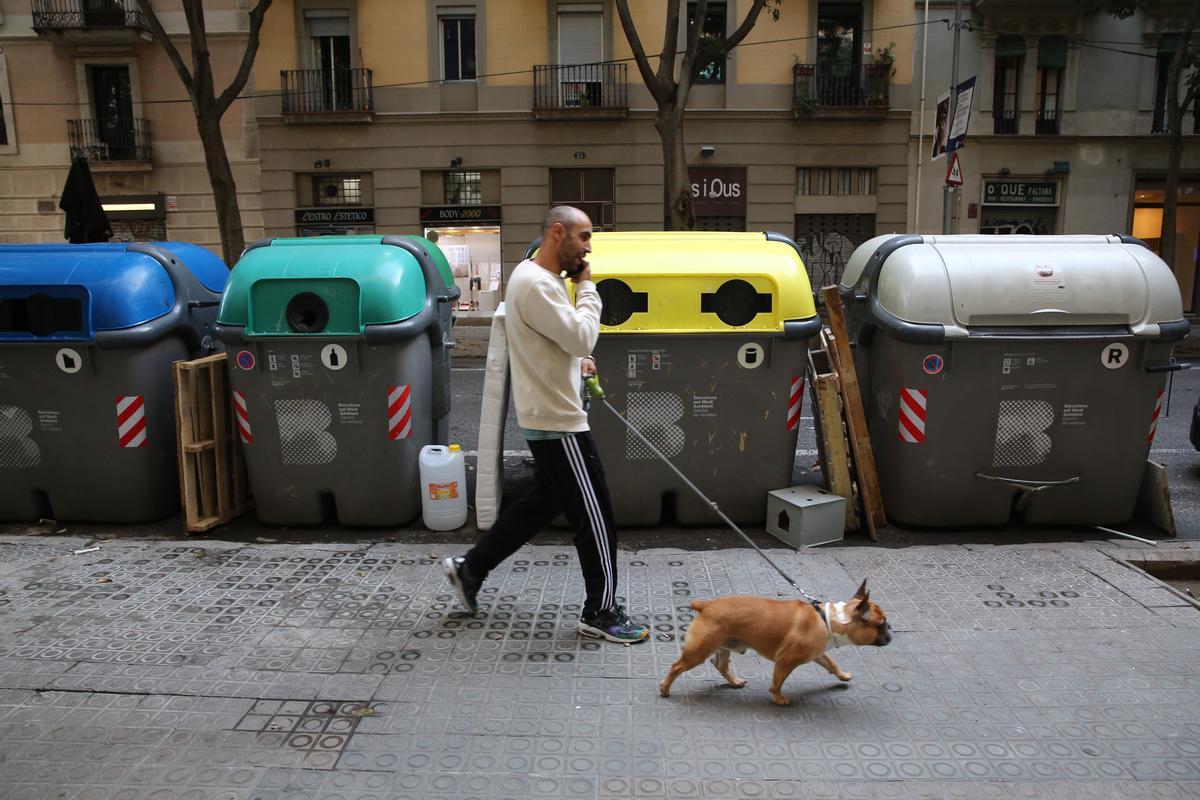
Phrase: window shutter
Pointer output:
(580, 37)
(334, 22)
(1052, 52)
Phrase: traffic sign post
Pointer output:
(954, 170)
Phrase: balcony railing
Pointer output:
(1158, 122)
(1046, 123)
(320, 91)
(109, 140)
(865, 89)
(87, 15)
(1006, 121)
(577, 90)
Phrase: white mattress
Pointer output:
(489, 478)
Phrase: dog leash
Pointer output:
(593, 387)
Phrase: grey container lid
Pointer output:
(964, 282)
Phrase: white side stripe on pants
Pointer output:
(575, 459)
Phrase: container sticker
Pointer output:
(443, 491)
(1072, 414)
(654, 415)
(1021, 433)
(304, 437)
(1114, 356)
(245, 360)
(750, 355)
(48, 421)
(912, 415)
(333, 356)
(639, 363)
(243, 417)
(399, 412)
(795, 401)
(933, 364)
(285, 365)
(131, 421)
(1154, 417)
(704, 405)
(68, 360)
(17, 450)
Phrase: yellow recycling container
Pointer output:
(703, 342)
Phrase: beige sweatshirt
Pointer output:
(547, 338)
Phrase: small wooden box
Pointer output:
(806, 516)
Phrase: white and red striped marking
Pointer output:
(795, 401)
(399, 412)
(912, 415)
(131, 420)
(243, 417)
(1154, 419)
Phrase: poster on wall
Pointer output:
(941, 127)
(962, 115)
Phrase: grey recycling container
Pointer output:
(702, 347)
(339, 368)
(1011, 378)
(88, 334)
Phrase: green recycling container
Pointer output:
(340, 365)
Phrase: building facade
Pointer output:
(84, 78)
(1067, 126)
(464, 120)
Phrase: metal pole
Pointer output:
(921, 129)
(948, 191)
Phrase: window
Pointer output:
(592, 191)
(329, 42)
(1166, 51)
(1052, 60)
(835, 181)
(712, 33)
(337, 190)
(458, 45)
(112, 110)
(463, 188)
(839, 54)
(1010, 55)
(580, 49)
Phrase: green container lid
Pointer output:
(356, 281)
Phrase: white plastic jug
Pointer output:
(443, 487)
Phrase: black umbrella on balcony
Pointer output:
(86, 220)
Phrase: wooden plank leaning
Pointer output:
(831, 435)
(856, 418)
(212, 474)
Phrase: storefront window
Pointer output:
(1148, 198)
(1021, 206)
(474, 256)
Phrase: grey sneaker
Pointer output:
(466, 585)
(614, 625)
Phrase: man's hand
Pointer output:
(584, 274)
(587, 367)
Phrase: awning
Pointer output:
(1052, 52)
(1010, 47)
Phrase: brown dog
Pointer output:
(787, 632)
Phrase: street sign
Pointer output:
(954, 171)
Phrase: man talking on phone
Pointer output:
(549, 342)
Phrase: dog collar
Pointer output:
(835, 639)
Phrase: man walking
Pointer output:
(548, 345)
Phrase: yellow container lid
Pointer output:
(700, 282)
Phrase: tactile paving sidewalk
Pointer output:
(169, 670)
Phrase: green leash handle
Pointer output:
(593, 386)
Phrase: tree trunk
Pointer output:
(220, 175)
(677, 187)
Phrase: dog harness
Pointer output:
(836, 640)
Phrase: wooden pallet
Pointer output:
(837, 342)
(212, 471)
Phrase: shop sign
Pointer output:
(1020, 193)
(718, 191)
(471, 214)
(335, 216)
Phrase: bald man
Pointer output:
(549, 341)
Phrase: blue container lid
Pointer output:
(96, 287)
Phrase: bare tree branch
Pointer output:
(666, 61)
(164, 39)
(639, 52)
(747, 25)
(694, 29)
(243, 74)
(193, 12)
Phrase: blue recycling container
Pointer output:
(88, 334)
